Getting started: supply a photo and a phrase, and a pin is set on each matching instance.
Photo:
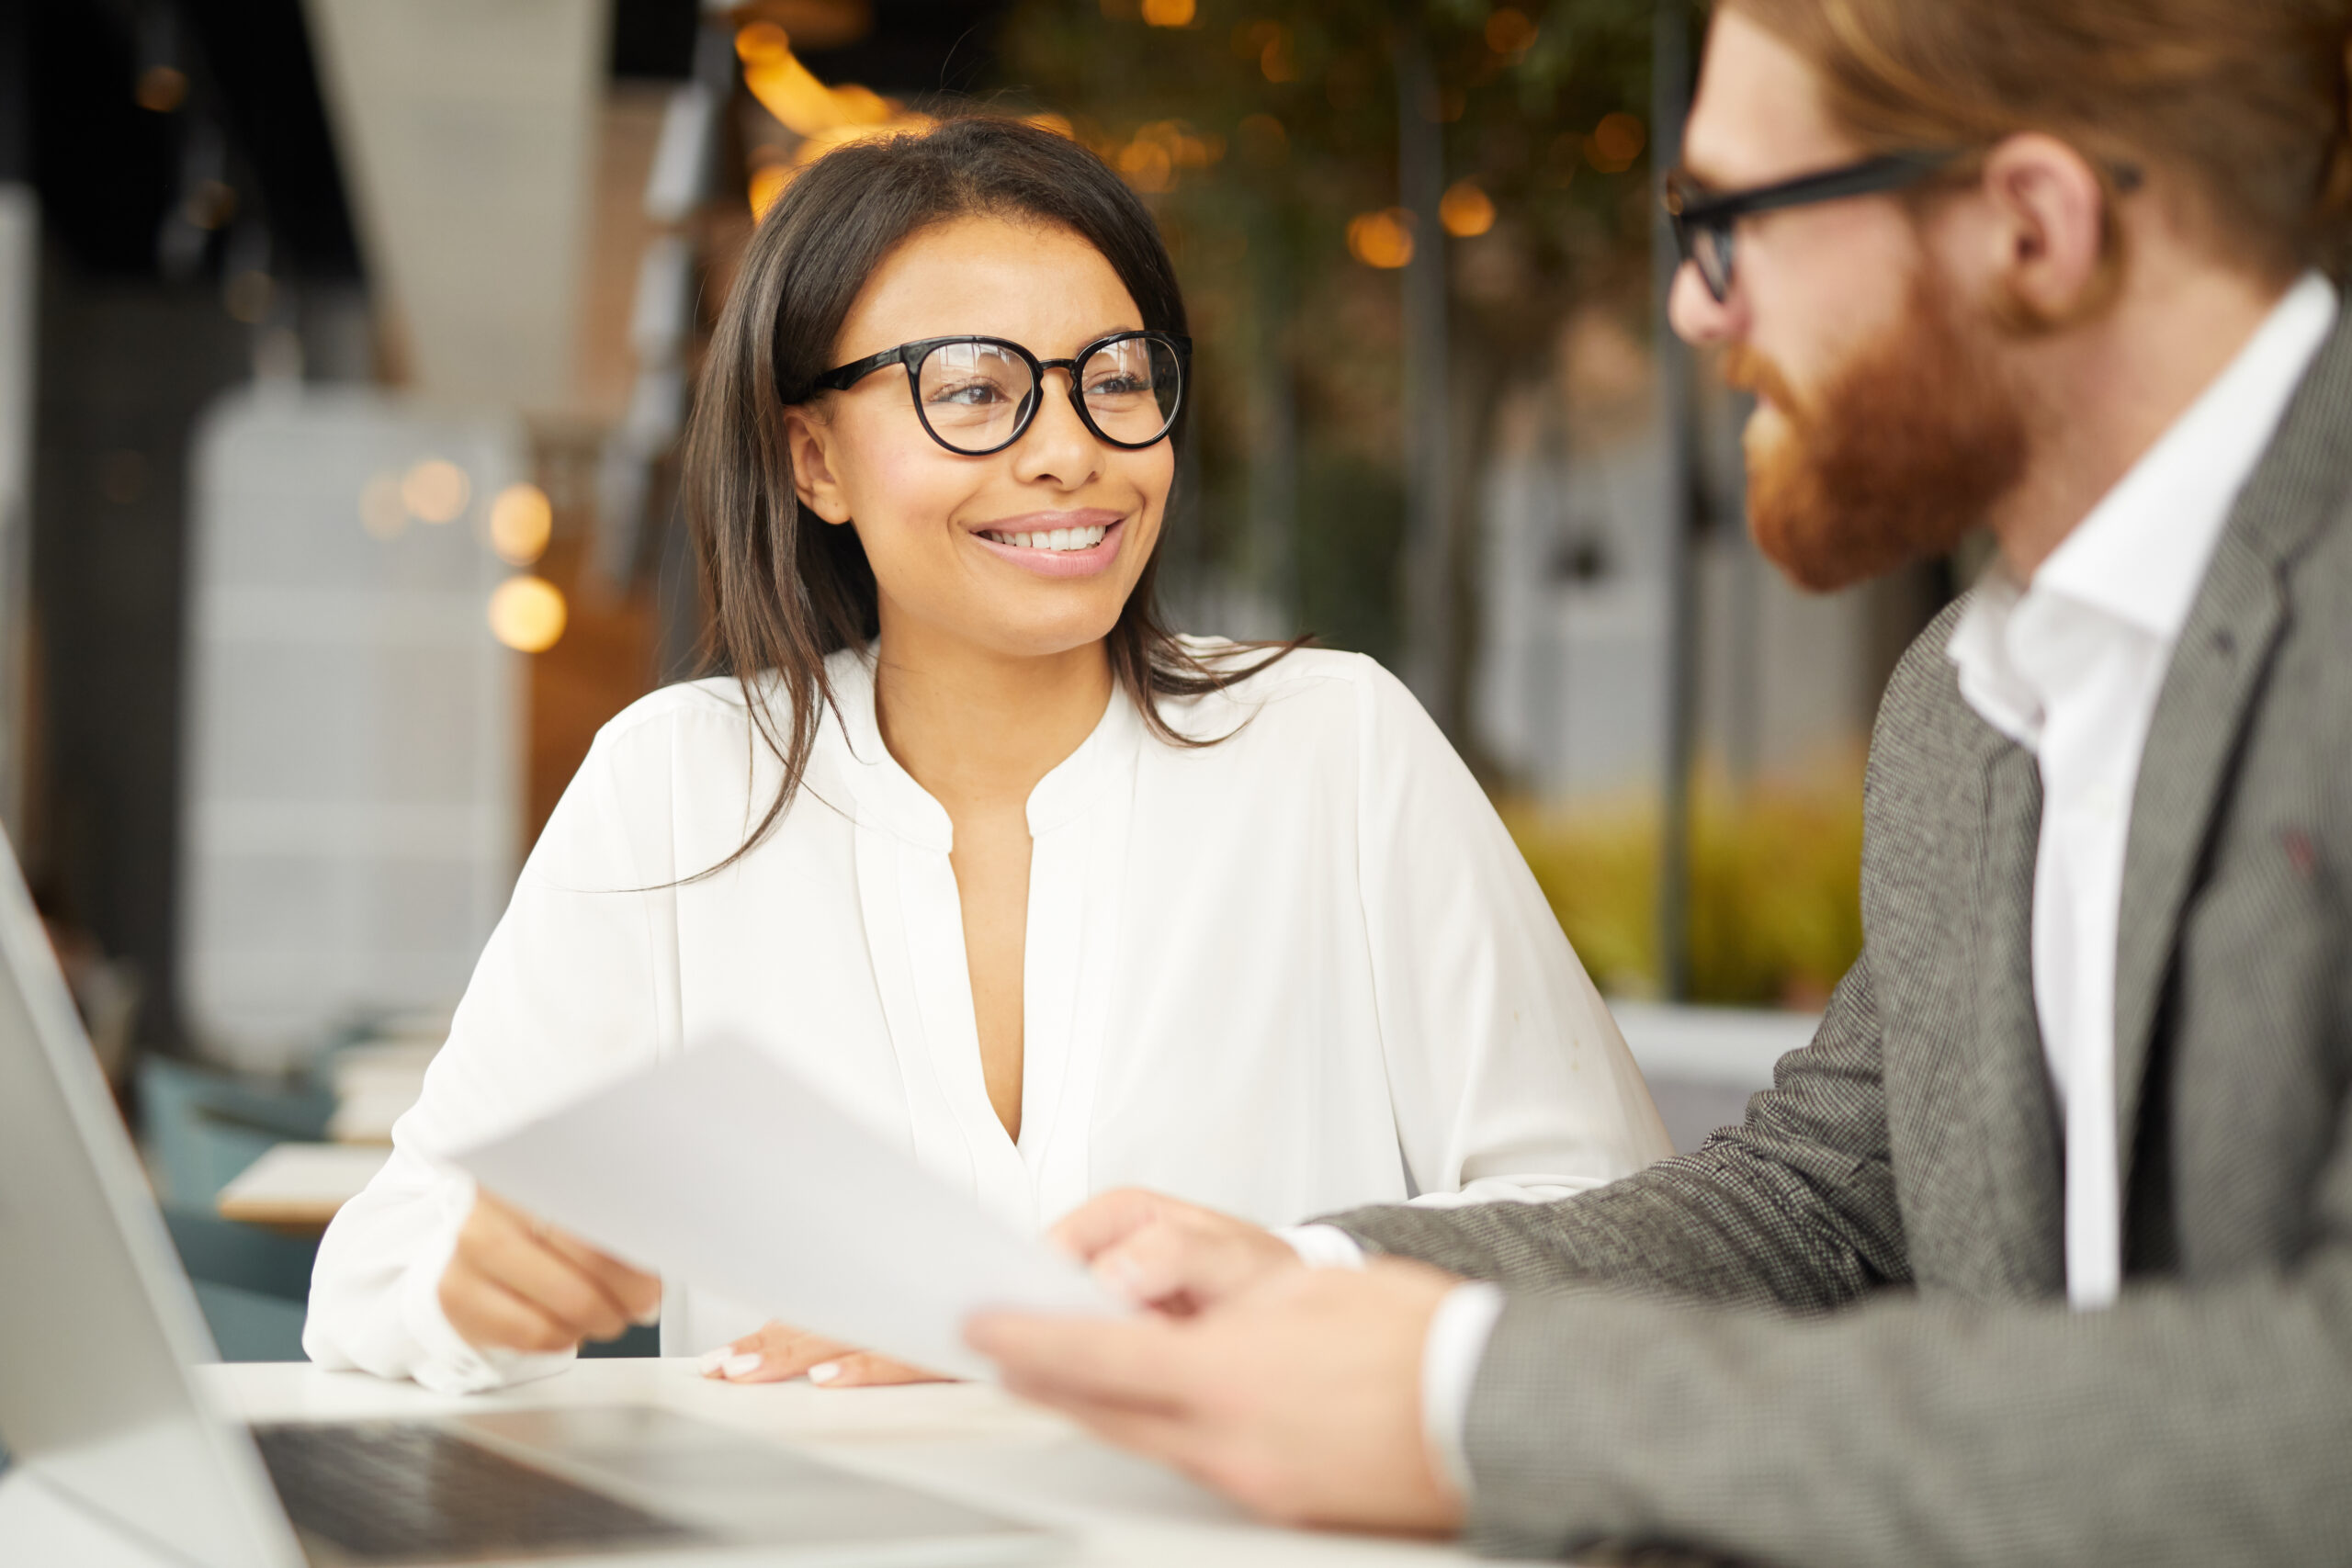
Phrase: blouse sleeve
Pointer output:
(1508, 1077)
(568, 993)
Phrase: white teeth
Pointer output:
(1054, 539)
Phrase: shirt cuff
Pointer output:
(1322, 1247)
(1455, 1344)
(446, 1362)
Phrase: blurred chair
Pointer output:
(252, 1284)
(204, 1127)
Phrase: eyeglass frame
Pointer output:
(841, 377)
(1692, 209)
(1719, 211)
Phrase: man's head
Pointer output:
(1917, 354)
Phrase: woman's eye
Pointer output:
(969, 394)
(1118, 387)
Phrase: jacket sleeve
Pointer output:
(2180, 1426)
(1793, 1209)
(1508, 1077)
(568, 994)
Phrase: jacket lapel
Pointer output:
(2216, 674)
(2013, 1095)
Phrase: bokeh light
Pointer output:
(1511, 31)
(1615, 142)
(436, 490)
(768, 181)
(1382, 239)
(381, 510)
(1168, 13)
(527, 614)
(1465, 210)
(521, 520)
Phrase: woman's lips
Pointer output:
(1089, 562)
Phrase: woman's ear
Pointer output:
(808, 441)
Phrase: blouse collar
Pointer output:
(888, 796)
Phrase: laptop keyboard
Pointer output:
(406, 1491)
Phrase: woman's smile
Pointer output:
(1056, 544)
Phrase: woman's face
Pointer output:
(941, 528)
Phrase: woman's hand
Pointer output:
(777, 1352)
(518, 1283)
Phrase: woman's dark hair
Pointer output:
(783, 594)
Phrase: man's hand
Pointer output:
(778, 1351)
(1300, 1398)
(517, 1283)
(1156, 1251)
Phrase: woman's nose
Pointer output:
(1057, 447)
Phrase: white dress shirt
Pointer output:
(1301, 969)
(2070, 669)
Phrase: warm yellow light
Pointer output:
(1168, 13)
(1615, 142)
(1382, 239)
(1059, 124)
(1466, 210)
(381, 510)
(757, 43)
(520, 521)
(791, 92)
(526, 614)
(1509, 32)
(436, 490)
(1148, 166)
(767, 183)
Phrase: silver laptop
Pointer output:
(98, 1328)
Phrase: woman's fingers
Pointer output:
(776, 1352)
(487, 1314)
(636, 1292)
(779, 1352)
(504, 1250)
(862, 1368)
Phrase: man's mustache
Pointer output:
(1746, 370)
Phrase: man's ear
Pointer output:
(808, 441)
(2058, 249)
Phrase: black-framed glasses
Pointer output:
(1704, 220)
(977, 395)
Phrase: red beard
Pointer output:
(1903, 452)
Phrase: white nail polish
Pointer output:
(824, 1371)
(651, 1317)
(709, 1361)
(743, 1365)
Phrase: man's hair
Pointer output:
(2245, 100)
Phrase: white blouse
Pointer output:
(1299, 970)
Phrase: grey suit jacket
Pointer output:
(1837, 1334)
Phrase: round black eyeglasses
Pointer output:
(977, 395)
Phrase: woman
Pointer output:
(1055, 900)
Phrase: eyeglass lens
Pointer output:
(1711, 249)
(975, 396)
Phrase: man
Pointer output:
(2042, 1249)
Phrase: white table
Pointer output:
(296, 1188)
(963, 1439)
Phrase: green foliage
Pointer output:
(1775, 890)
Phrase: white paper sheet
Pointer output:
(724, 1168)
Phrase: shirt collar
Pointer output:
(2140, 554)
